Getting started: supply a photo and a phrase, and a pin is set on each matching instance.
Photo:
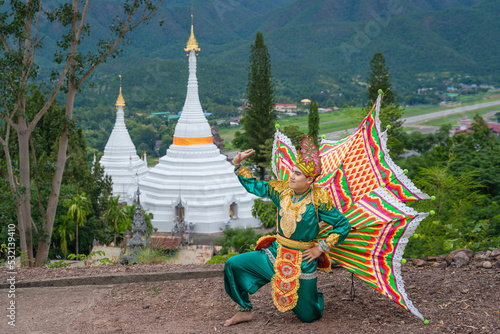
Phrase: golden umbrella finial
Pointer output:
(192, 44)
(120, 101)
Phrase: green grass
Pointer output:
(153, 161)
(329, 122)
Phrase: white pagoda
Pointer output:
(194, 182)
(120, 159)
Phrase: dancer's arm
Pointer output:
(271, 189)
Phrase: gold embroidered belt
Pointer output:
(287, 271)
(294, 243)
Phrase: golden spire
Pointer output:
(120, 101)
(192, 44)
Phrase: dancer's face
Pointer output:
(299, 181)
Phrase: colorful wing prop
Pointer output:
(374, 248)
(284, 156)
(370, 190)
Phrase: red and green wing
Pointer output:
(374, 248)
(361, 163)
(284, 156)
(370, 190)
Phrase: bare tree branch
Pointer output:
(27, 46)
(126, 28)
(3, 141)
(35, 40)
(4, 41)
(8, 120)
(5, 145)
(36, 24)
(37, 181)
(33, 224)
(47, 105)
(82, 21)
(143, 17)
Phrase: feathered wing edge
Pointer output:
(395, 169)
(387, 158)
(280, 136)
(401, 245)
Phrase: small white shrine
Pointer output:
(194, 182)
(120, 159)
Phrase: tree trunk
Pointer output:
(24, 221)
(24, 160)
(44, 243)
(15, 194)
(77, 238)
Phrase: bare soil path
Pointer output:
(455, 300)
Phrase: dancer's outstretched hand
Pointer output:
(242, 156)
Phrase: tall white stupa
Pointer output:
(120, 159)
(193, 181)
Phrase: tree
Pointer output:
(78, 209)
(379, 79)
(115, 216)
(451, 226)
(65, 232)
(19, 43)
(258, 121)
(461, 172)
(293, 132)
(313, 121)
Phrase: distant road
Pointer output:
(447, 112)
(416, 119)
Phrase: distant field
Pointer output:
(332, 121)
(153, 161)
(343, 119)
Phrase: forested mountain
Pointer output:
(315, 45)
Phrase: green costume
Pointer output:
(294, 281)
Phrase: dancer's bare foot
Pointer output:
(239, 317)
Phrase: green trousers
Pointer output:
(246, 273)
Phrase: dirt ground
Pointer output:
(454, 300)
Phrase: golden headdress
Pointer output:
(308, 157)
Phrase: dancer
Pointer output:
(355, 175)
(290, 259)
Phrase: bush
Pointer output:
(56, 264)
(220, 258)
(238, 240)
(154, 256)
(266, 212)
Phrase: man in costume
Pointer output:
(289, 259)
(367, 236)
